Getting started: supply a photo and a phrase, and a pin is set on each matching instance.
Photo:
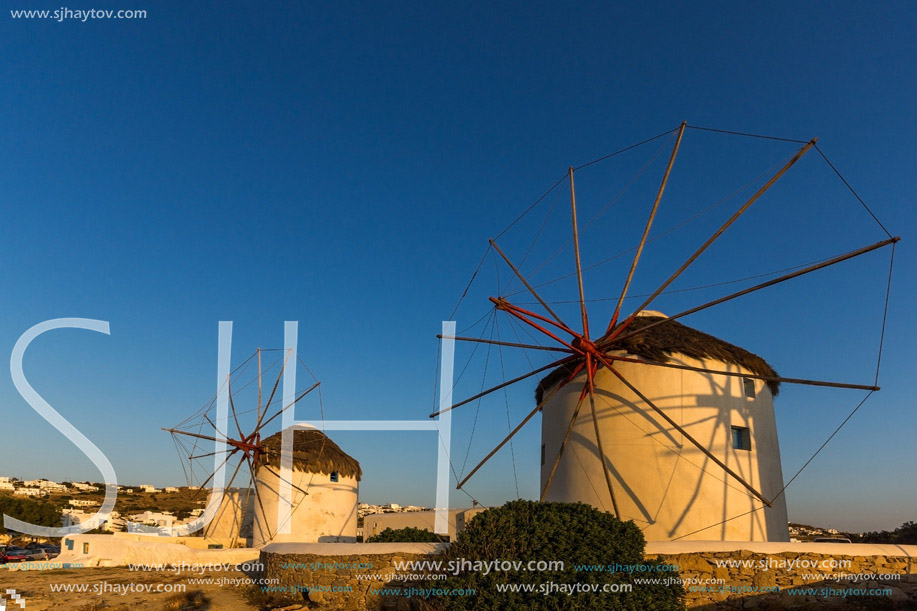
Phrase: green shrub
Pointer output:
(906, 534)
(405, 535)
(576, 534)
(35, 512)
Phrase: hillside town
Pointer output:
(79, 510)
(43, 487)
(75, 511)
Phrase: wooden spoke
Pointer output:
(265, 466)
(526, 283)
(523, 315)
(233, 478)
(503, 385)
(764, 285)
(503, 304)
(249, 447)
(267, 524)
(563, 445)
(195, 457)
(688, 436)
(294, 402)
(274, 390)
(598, 442)
(499, 343)
(714, 237)
(251, 485)
(646, 232)
(259, 386)
(738, 374)
(579, 266)
(195, 435)
(210, 422)
(203, 486)
(232, 407)
(518, 428)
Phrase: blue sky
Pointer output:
(343, 164)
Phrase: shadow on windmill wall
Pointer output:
(682, 478)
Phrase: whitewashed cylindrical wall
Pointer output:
(327, 514)
(661, 480)
(233, 518)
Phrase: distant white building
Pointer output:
(50, 486)
(30, 492)
(159, 520)
(33, 483)
(85, 487)
(365, 509)
(171, 489)
(149, 488)
(79, 503)
(73, 517)
(114, 523)
(7, 485)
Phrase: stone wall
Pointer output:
(719, 575)
(788, 579)
(331, 581)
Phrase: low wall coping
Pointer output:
(120, 547)
(106, 550)
(780, 547)
(354, 549)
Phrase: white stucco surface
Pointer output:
(106, 550)
(327, 514)
(354, 549)
(233, 518)
(661, 480)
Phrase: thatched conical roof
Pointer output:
(658, 343)
(313, 452)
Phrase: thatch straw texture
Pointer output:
(658, 343)
(313, 452)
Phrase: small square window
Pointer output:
(749, 388)
(334, 476)
(741, 439)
